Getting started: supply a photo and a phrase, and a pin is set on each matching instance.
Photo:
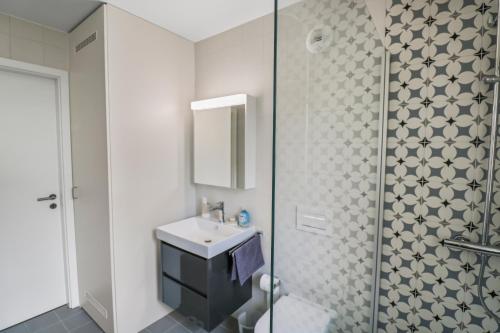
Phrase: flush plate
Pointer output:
(315, 220)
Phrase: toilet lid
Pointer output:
(293, 314)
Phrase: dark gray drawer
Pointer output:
(185, 300)
(185, 267)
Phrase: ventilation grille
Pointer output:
(86, 42)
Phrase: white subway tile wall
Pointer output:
(29, 42)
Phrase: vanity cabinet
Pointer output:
(199, 287)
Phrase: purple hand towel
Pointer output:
(247, 259)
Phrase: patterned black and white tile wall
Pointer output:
(438, 135)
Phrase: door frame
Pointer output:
(65, 167)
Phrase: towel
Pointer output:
(247, 259)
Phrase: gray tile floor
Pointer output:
(177, 323)
(66, 320)
(60, 320)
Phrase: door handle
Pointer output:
(50, 197)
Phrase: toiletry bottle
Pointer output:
(244, 219)
(232, 220)
(205, 213)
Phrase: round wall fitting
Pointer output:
(319, 39)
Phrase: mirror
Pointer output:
(224, 141)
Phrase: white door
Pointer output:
(32, 273)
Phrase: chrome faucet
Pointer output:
(219, 206)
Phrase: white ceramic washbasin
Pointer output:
(203, 237)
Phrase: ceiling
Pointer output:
(59, 14)
(192, 19)
(198, 19)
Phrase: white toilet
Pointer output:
(293, 314)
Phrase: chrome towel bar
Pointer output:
(473, 247)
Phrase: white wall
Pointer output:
(33, 43)
(152, 76)
(90, 168)
(241, 61)
(151, 82)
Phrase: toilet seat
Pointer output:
(297, 315)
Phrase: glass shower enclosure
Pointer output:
(329, 147)
(386, 193)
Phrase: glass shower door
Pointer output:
(328, 152)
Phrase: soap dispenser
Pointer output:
(244, 218)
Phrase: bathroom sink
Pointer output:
(203, 237)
